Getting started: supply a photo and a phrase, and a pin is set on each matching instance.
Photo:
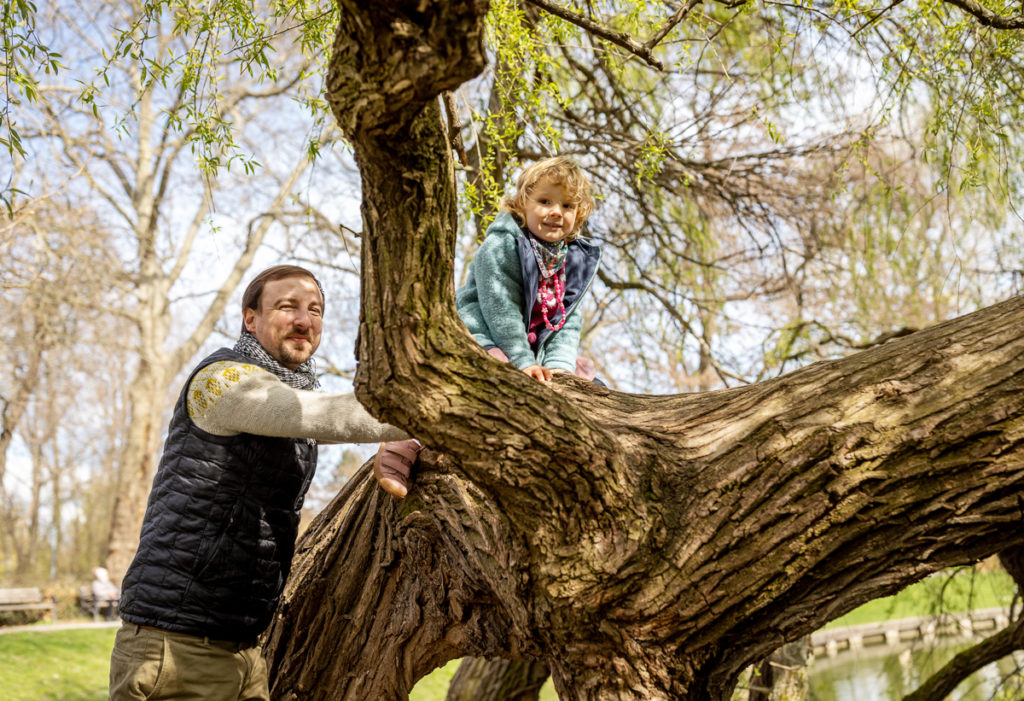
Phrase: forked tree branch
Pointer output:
(672, 21)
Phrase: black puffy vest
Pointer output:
(220, 527)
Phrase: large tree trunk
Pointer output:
(147, 392)
(137, 464)
(642, 547)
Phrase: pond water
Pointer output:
(889, 673)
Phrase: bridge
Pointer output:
(983, 622)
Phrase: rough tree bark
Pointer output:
(482, 679)
(642, 547)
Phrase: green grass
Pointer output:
(71, 665)
(947, 592)
(434, 686)
(60, 665)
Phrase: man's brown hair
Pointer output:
(254, 292)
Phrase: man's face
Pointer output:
(289, 320)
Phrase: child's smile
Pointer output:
(550, 214)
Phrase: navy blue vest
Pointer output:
(220, 527)
(581, 262)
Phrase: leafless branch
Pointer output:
(454, 127)
(722, 373)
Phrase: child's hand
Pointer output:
(538, 372)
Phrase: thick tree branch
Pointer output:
(642, 547)
(480, 679)
(772, 509)
(413, 573)
(390, 62)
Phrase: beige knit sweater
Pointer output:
(227, 398)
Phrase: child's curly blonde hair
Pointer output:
(558, 170)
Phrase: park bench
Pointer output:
(26, 599)
(89, 604)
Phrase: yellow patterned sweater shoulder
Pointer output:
(213, 382)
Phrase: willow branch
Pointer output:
(620, 39)
(670, 24)
(722, 373)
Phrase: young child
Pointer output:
(522, 299)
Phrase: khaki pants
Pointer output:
(147, 663)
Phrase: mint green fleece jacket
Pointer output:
(495, 304)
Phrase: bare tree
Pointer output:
(168, 218)
(51, 253)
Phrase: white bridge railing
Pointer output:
(981, 623)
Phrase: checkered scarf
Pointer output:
(302, 377)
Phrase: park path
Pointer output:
(62, 625)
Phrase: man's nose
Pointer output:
(302, 318)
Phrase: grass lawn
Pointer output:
(434, 686)
(71, 665)
(947, 592)
(60, 665)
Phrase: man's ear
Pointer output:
(248, 317)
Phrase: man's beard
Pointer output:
(288, 354)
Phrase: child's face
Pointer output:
(550, 214)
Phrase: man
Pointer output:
(104, 594)
(220, 527)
